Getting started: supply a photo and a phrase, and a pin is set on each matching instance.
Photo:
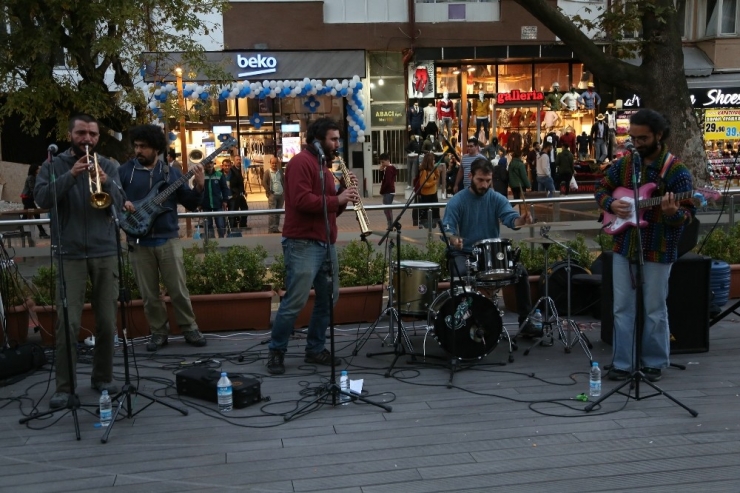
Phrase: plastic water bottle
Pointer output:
(225, 398)
(537, 320)
(594, 389)
(344, 386)
(106, 409)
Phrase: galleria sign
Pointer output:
(516, 96)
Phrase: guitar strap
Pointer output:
(669, 160)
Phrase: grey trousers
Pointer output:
(103, 273)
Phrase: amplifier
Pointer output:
(22, 359)
(201, 383)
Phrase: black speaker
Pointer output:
(689, 298)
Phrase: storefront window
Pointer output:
(515, 76)
(546, 74)
(447, 78)
(390, 90)
(581, 77)
(481, 78)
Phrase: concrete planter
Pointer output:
(17, 328)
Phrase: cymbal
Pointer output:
(538, 240)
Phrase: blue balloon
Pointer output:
(358, 85)
(246, 90)
(203, 96)
(172, 136)
(187, 93)
(343, 91)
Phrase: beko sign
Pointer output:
(262, 64)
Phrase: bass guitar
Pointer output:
(614, 225)
(138, 223)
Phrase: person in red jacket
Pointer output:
(305, 244)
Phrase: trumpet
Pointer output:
(98, 198)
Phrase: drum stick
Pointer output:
(524, 201)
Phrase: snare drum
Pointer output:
(494, 259)
(417, 287)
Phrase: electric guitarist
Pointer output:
(158, 253)
(660, 235)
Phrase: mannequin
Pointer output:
(414, 119)
(590, 99)
(600, 136)
(611, 121)
(430, 120)
(570, 99)
(481, 109)
(446, 113)
(516, 118)
(552, 100)
(551, 119)
(414, 150)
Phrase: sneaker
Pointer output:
(156, 341)
(59, 400)
(101, 386)
(275, 364)
(652, 374)
(530, 331)
(615, 374)
(195, 338)
(322, 358)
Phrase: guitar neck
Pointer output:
(164, 194)
(652, 202)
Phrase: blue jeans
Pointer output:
(305, 266)
(220, 225)
(546, 184)
(656, 335)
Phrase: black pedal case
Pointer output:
(201, 383)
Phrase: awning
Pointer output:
(715, 80)
(695, 62)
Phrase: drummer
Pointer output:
(473, 215)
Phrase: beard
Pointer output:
(647, 151)
(79, 151)
(144, 161)
(478, 191)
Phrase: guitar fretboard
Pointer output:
(653, 201)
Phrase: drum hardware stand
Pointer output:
(580, 337)
(455, 364)
(637, 375)
(332, 388)
(401, 337)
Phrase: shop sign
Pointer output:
(517, 96)
(263, 64)
(700, 98)
(632, 102)
(721, 124)
(387, 115)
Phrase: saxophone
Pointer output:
(359, 208)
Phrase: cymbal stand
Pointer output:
(580, 337)
(390, 310)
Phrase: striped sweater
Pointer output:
(660, 237)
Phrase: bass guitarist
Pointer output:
(158, 254)
(665, 222)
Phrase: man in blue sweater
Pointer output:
(159, 253)
(474, 214)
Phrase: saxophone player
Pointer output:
(305, 243)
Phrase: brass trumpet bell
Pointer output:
(98, 198)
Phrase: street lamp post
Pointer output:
(183, 138)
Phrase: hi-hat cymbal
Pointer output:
(538, 240)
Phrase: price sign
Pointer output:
(721, 124)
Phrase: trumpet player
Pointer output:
(84, 183)
(305, 243)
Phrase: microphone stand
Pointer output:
(637, 375)
(332, 388)
(128, 389)
(73, 403)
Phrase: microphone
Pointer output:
(630, 147)
(52, 149)
(319, 149)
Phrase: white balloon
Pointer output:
(345, 83)
(306, 80)
(265, 83)
(153, 105)
(157, 92)
(358, 112)
(355, 78)
(356, 127)
(353, 84)
(361, 134)
(194, 96)
(273, 93)
(333, 92)
(173, 93)
(313, 92)
(350, 91)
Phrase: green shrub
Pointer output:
(240, 269)
(722, 245)
(360, 265)
(14, 288)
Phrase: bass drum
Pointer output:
(466, 324)
(581, 296)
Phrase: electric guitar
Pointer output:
(614, 225)
(148, 209)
